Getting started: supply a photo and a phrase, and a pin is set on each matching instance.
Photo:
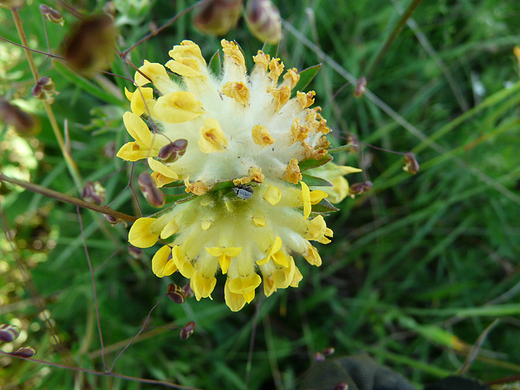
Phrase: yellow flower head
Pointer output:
(241, 145)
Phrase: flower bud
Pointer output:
(91, 45)
(360, 88)
(22, 122)
(410, 163)
(171, 152)
(360, 188)
(93, 192)
(263, 20)
(188, 291)
(111, 219)
(188, 330)
(9, 332)
(352, 141)
(217, 17)
(318, 356)
(341, 386)
(25, 352)
(51, 14)
(176, 293)
(44, 89)
(153, 195)
(135, 252)
(328, 351)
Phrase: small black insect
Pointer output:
(243, 191)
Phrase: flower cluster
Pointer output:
(243, 146)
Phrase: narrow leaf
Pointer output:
(306, 77)
(315, 181)
(311, 163)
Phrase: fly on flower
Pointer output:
(241, 130)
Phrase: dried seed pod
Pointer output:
(9, 332)
(25, 352)
(217, 17)
(93, 192)
(187, 330)
(410, 163)
(22, 122)
(153, 195)
(176, 293)
(360, 88)
(173, 151)
(51, 14)
(263, 20)
(91, 45)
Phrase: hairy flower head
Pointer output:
(242, 145)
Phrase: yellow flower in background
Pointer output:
(243, 145)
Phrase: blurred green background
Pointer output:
(418, 269)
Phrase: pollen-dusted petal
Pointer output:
(237, 91)
(306, 200)
(261, 60)
(159, 167)
(305, 99)
(299, 132)
(178, 107)
(187, 49)
(255, 175)
(281, 96)
(179, 257)
(202, 285)
(311, 255)
(234, 301)
(273, 195)
(141, 233)
(275, 69)
(212, 138)
(313, 152)
(232, 51)
(291, 78)
(170, 229)
(261, 136)
(137, 129)
(317, 196)
(162, 263)
(292, 173)
(198, 188)
(245, 284)
(155, 72)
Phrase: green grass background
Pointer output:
(418, 267)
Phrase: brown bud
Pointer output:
(188, 291)
(12, 115)
(410, 163)
(263, 20)
(171, 152)
(9, 332)
(176, 293)
(341, 386)
(359, 188)
(352, 141)
(153, 195)
(135, 252)
(111, 219)
(51, 14)
(93, 192)
(360, 88)
(25, 352)
(217, 17)
(44, 89)
(91, 45)
(188, 330)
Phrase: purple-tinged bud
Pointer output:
(93, 192)
(171, 152)
(25, 352)
(328, 351)
(9, 333)
(153, 195)
(360, 188)
(341, 386)
(135, 252)
(360, 88)
(176, 293)
(44, 89)
(217, 17)
(263, 20)
(51, 14)
(410, 163)
(111, 219)
(188, 291)
(188, 330)
(318, 356)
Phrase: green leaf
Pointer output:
(311, 163)
(306, 77)
(214, 64)
(315, 181)
(340, 148)
(324, 207)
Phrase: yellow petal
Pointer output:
(273, 195)
(261, 136)
(162, 263)
(292, 173)
(312, 256)
(269, 286)
(280, 259)
(187, 49)
(317, 196)
(259, 221)
(212, 138)
(233, 53)
(296, 277)
(137, 129)
(182, 263)
(202, 286)
(131, 151)
(170, 229)
(141, 234)
(237, 91)
(137, 104)
(159, 167)
(184, 68)
(306, 200)
(178, 107)
(154, 71)
(234, 301)
(244, 285)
